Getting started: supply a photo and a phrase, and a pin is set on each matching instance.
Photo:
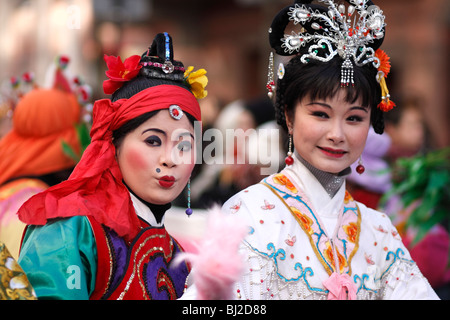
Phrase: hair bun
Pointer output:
(158, 63)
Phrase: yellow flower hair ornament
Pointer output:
(197, 81)
(383, 70)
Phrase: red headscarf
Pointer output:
(95, 186)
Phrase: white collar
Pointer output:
(316, 193)
(144, 212)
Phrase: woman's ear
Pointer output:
(116, 145)
(289, 121)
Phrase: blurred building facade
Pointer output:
(226, 37)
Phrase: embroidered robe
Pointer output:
(298, 238)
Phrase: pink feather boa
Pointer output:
(217, 265)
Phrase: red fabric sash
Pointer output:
(95, 186)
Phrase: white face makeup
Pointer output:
(330, 134)
(157, 158)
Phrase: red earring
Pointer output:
(360, 168)
(289, 160)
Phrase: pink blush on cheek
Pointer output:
(137, 159)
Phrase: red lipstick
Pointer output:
(335, 153)
(166, 181)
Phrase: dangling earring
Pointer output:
(289, 160)
(270, 82)
(360, 168)
(189, 210)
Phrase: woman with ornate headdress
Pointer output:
(100, 234)
(308, 238)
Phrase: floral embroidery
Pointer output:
(305, 221)
(381, 229)
(395, 234)
(290, 241)
(236, 207)
(328, 253)
(267, 206)
(346, 240)
(283, 180)
(348, 197)
(368, 258)
(351, 230)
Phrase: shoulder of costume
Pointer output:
(70, 228)
(246, 198)
(375, 217)
(72, 222)
(262, 210)
(379, 233)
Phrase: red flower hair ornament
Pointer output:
(119, 72)
(386, 103)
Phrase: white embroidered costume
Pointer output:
(295, 231)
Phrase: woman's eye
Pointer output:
(320, 114)
(355, 119)
(184, 146)
(153, 141)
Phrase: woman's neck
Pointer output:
(331, 182)
(158, 210)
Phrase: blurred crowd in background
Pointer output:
(229, 38)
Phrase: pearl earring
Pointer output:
(289, 160)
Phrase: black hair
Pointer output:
(140, 83)
(320, 80)
(152, 73)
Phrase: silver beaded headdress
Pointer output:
(353, 32)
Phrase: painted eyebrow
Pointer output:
(164, 133)
(319, 103)
(155, 130)
(328, 106)
(186, 134)
(366, 109)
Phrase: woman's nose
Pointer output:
(336, 132)
(167, 157)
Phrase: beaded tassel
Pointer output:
(347, 73)
(270, 82)
(189, 210)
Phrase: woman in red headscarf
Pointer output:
(100, 234)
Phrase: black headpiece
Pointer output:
(158, 61)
